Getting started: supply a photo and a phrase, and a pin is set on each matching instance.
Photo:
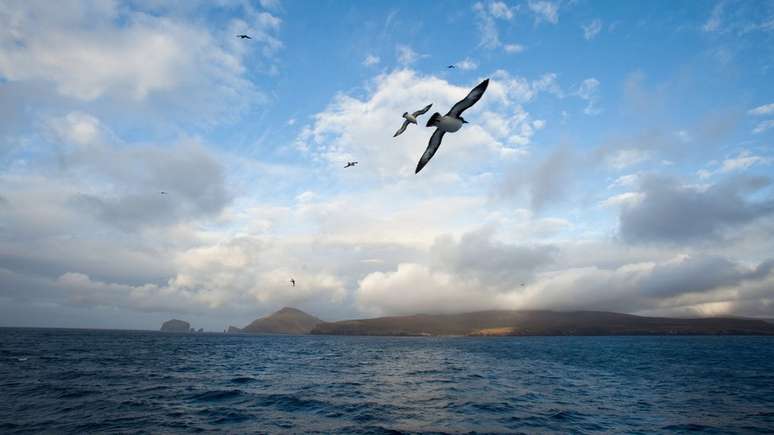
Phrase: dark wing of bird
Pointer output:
(432, 147)
(470, 100)
(421, 111)
(402, 128)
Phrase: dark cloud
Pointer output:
(670, 212)
(194, 182)
(478, 255)
(691, 275)
(547, 183)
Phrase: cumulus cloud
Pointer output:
(134, 55)
(352, 127)
(671, 212)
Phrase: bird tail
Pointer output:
(434, 120)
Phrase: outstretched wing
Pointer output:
(470, 100)
(432, 147)
(421, 111)
(402, 128)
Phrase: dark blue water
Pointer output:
(62, 381)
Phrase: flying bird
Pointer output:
(449, 123)
(243, 37)
(292, 282)
(411, 118)
(350, 164)
(451, 66)
(162, 193)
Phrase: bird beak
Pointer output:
(464, 122)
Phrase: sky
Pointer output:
(621, 159)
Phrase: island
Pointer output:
(176, 325)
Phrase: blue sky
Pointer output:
(621, 159)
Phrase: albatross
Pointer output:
(449, 123)
(411, 118)
(243, 37)
(350, 164)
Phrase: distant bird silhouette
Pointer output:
(411, 118)
(243, 37)
(162, 193)
(350, 164)
(292, 282)
(449, 123)
(451, 66)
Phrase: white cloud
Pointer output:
(500, 10)
(351, 127)
(466, 64)
(490, 36)
(371, 60)
(513, 48)
(625, 181)
(592, 29)
(92, 52)
(407, 56)
(544, 10)
(626, 157)
(589, 91)
(762, 110)
(763, 126)
(626, 198)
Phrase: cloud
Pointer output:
(624, 158)
(465, 274)
(765, 109)
(544, 10)
(741, 162)
(354, 126)
(670, 212)
(592, 29)
(490, 36)
(713, 22)
(466, 64)
(500, 10)
(626, 198)
(763, 126)
(371, 60)
(589, 91)
(90, 52)
(406, 55)
(513, 48)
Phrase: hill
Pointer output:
(176, 325)
(502, 322)
(285, 321)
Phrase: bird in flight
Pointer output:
(243, 37)
(292, 282)
(451, 66)
(411, 118)
(449, 123)
(350, 164)
(162, 193)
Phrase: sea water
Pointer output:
(85, 381)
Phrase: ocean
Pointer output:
(89, 381)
